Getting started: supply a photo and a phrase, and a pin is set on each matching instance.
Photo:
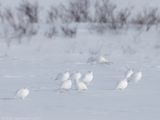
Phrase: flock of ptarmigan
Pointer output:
(81, 82)
(131, 76)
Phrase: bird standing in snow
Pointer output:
(81, 86)
(23, 93)
(66, 85)
(102, 60)
(88, 77)
(122, 84)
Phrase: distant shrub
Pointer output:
(52, 15)
(29, 11)
(104, 11)
(51, 31)
(51, 20)
(101, 15)
(122, 17)
(69, 30)
(147, 18)
(108, 17)
(9, 25)
(20, 22)
(79, 10)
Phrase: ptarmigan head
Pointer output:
(65, 76)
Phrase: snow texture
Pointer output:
(35, 65)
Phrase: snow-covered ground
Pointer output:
(35, 64)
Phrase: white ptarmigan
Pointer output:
(81, 86)
(23, 93)
(137, 76)
(88, 77)
(63, 76)
(103, 60)
(66, 84)
(122, 84)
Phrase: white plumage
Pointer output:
(102, 60)
(129, 73)
(66, 85)
(137, 76)
(23, 93)
(65, 76)
(81, 85)
(122, 84)
(88, 77)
